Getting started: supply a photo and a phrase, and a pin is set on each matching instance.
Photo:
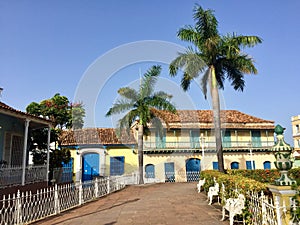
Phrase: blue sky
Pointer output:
(48, 47)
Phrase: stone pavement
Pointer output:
(153, 204)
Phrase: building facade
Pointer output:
(296, 138)
(100, 152)
(187, 144)
(15, 129)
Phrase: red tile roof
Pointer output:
(17, 113)
(90, 136)
(204, 119)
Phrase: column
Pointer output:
(48, 154)
(25, 151)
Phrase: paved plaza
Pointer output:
(155, 204)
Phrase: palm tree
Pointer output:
(217, 57)
(142, 106)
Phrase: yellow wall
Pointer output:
(130, 161)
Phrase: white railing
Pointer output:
(262, 209)
(207, 145)
(24, 208)
(10, 176)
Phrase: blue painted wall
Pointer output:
(9, 124)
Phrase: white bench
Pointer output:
(234, 206)
(213, 191)
(200, 184)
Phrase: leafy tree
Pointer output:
(64, 115)
(218, 57)
(141, 106)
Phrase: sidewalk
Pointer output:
(155, 204)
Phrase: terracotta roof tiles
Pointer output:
(90, 136)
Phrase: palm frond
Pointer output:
(149, 81)
(188, 33)
(128, 93)
(161, 103)
(125, 122)
(163, 94)
(206, 22)
(248, 41)
(204, 82)
(192, 65)
(119, 107)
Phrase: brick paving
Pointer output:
(149, 204)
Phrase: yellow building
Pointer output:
(187, 145)
(296, 137)
(98, 152)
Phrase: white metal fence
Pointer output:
(10, 176)
(24, 208)
(265, 211)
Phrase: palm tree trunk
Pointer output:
(140, 153)
(217, 119)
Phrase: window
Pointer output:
(215, 165)
(226, 139)
(249, 165)
(267, 165)
(160, 141)
(297, 129)
(13, 149)
(150, 171)
(234, 165)
(117, 165)
(194, 138)
(256, 138)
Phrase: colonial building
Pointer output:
(15, 128)
(187, 145)
(99, 152)
(296, 137)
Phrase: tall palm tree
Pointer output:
(141, 106)
(218, 57)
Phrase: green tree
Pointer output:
(64, 115)
(142, 106)
(218, 57)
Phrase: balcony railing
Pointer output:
(12, 176)
(207, 145)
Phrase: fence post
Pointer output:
(96, 188)
(108, 185)
(56, 200)
(80, 193)
(19, 207)
(277, 207)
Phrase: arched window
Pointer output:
(267, 165)
(149, 171)
(234, 165)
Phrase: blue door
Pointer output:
(234, 165)
(249, 165)
(150, 171)
(192, 169)
(169, 172)
(267, 165)
(90, 165)
(215, 166)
